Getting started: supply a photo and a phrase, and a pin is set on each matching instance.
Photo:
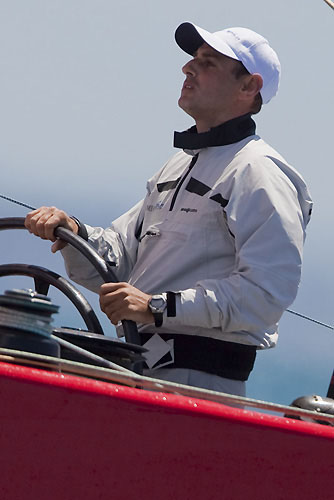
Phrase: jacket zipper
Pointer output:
(192, 163)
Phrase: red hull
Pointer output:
(65, 437)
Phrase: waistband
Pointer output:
(226, 359)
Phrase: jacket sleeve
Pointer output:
(265, 217)
(117, 245)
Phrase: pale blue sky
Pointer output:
(88, 93)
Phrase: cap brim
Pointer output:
(190, 37)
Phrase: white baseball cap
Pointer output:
(242, 44)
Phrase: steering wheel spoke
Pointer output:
(41, 286)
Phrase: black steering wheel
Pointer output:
(43, 278)
(105, 271)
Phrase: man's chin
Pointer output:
(182, 102)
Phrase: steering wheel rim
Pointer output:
(44, 278)
(105, 271)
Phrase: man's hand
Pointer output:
(123, 301)
(43, 221)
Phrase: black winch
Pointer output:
(25, 325)
(25, 322)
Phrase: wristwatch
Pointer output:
(157, 305)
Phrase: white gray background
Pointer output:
(88, 105)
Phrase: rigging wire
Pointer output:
(288, 310)
(310, 319)
(17, 202)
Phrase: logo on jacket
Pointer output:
(187, 210)
(158, 205)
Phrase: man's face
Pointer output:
(210, 89)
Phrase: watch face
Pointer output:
(157, 304)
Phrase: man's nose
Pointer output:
(189, 68)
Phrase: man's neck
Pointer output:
(203, 125)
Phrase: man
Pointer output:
(211, 258)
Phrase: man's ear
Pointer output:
(251, 85)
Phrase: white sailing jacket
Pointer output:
(223, 226)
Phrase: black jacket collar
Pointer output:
(228, 133)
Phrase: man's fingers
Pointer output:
(114, 316)
(111, 287)
(110, 300)
(30, 219)
(45, 226)
(121, 301)
(113, 310)
(43, 221)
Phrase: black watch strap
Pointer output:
(157, 305)
(158, 319)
